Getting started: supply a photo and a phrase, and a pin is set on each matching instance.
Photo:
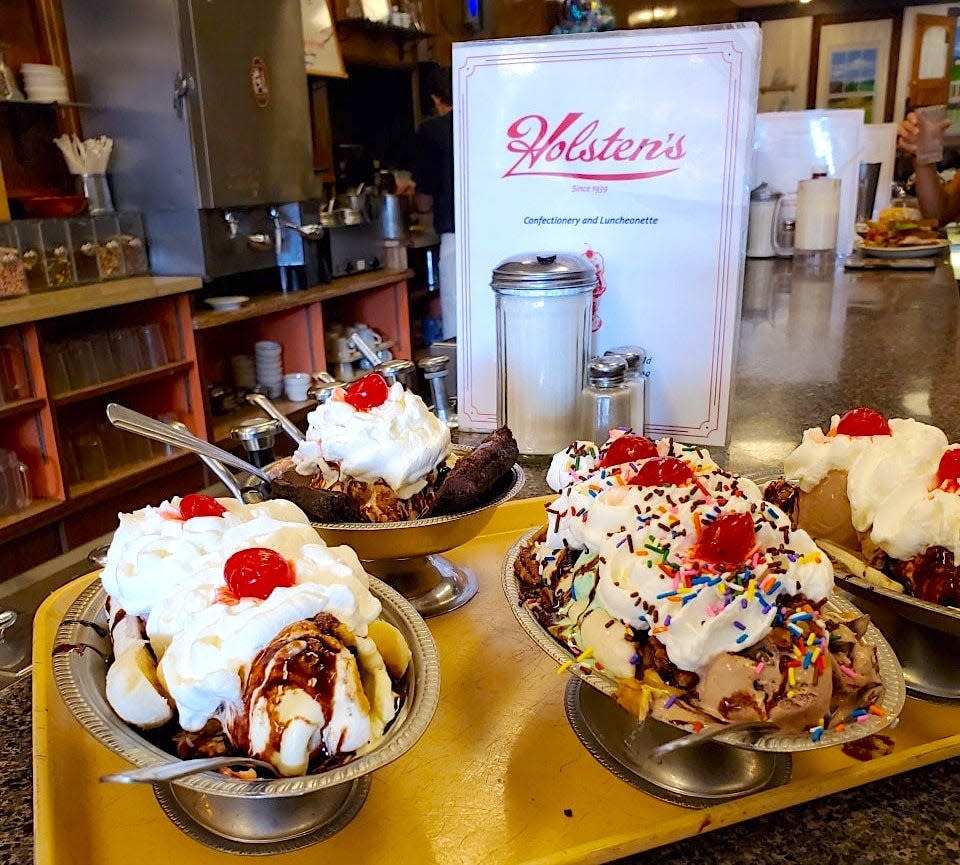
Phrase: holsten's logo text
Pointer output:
(579, 148)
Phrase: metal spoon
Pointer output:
(217, 467)
(705, 735)
(132, 421)
(262, 401)
(183, 768)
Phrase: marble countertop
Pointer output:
(810, 345)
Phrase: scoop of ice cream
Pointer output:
(302, 698)
(203, 665)
(400, 440)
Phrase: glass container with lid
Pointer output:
(13, 280)
(543, 313)
(605, 401)
(636, 381)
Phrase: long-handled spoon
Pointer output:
(263, 402)
(705, 735)
(217, 467)
(183, 768)
(132, 421)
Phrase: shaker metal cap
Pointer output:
(634, 355)
(607, 369)
(544, 270)
(764, 192)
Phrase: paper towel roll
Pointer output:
(818, 210)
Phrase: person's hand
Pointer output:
(908, 134)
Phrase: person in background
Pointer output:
(433, 173)
(937, 199)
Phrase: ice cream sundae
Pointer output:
(237, 630)
(376, 453)
(888, 490)
(679, 583)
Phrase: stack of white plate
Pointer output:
(269, 367)
(44, 83)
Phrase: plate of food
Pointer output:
(902, 238)
(232, 629)
(670, 585)
(882, 497)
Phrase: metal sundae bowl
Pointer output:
(743, 759)
(406, 554)
(264, 815)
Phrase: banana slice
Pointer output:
(858, 568)
(133, 688)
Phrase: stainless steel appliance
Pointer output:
(355, 248)
(207, 103)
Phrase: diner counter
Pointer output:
(810, 345)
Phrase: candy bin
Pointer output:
(13, 281)
(133, 244)
(109, 248)
(57, 261)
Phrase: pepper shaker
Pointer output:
(634, 379)
(434, 369)
(605, 402)
(257, 436)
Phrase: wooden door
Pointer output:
(932, 60)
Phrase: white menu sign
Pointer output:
(631, 147)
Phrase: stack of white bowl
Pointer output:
(44, 83)
(269, 367)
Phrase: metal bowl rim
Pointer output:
(123, 739)
(891, 675)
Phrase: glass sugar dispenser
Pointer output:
(605, 402)
(543, 314)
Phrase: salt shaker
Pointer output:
(605, 402)
(634, 379)
(435, 371)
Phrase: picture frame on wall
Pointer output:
(321, 47)
(852, 67)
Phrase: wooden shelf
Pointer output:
(22, 406)
(95, 295)
(35, 509)
(122, 383)
(266, 304)
(224, 423)
(122, 475)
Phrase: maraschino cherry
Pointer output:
(663, 472)
(948, 472)
(368, 392)
(256, 572)
(200, 505)
(863, 422)
(727, 541)
(627, 449)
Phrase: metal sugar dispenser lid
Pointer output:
(634, 355)
(551, 273)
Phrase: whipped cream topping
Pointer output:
(156, 555)
(913, 517)
(642, 572)
(400, 441)
(874, 464)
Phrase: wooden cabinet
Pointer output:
(58, 371)
(298, 321)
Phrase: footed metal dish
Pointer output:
(894, 693)
(265, 815)
(406, 554)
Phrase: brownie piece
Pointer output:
(322, 506)
(475, 474)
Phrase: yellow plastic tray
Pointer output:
(499, 777)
